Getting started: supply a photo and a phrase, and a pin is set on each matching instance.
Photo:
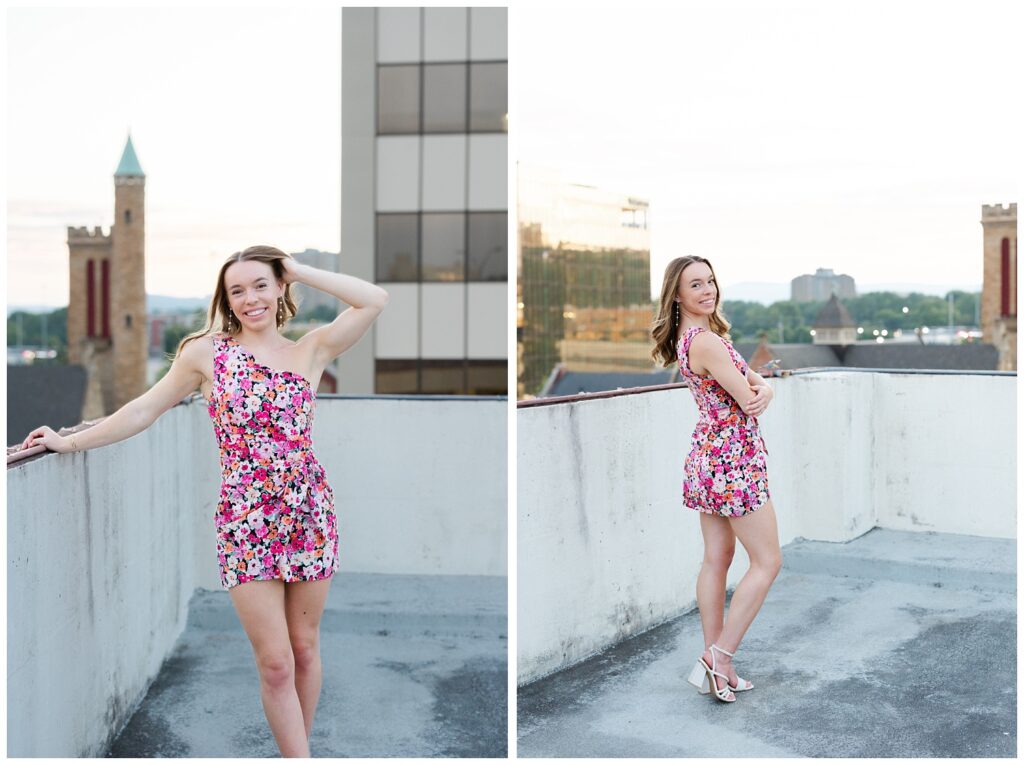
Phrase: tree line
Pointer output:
(50, 329)
(872, 310)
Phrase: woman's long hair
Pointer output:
(220, 309)
(665, 330)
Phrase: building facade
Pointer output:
(107, 332)
(425, 196)
(309, 299)
(583, 292)
(999, 281)
(821, 285)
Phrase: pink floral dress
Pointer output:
(726, 472)
(275, 517)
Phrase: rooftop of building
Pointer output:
(565, 382)
(414, 666)
(122, 537)
(43, 393)
(874, 355)
(899, 566)
(834, 314)
(861, 649)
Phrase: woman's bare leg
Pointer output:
(759, 534)
(261, 609)
(719, 548)
(304, 605)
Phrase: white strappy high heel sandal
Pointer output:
(705, 687)
(702, 677)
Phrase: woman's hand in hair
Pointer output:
(290, 270)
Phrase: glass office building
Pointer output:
(584, 294)
(425, 194)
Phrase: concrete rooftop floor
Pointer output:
(870, 648)
(414, 666)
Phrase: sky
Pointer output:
(775, 138)
(772, 138)
(235, 115)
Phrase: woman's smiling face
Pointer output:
(698, 290)
(252, 292)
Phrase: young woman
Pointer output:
(277, 539)
(725, 473)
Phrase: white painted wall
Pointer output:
(444, 34)
(487, 305)
(100, 553)
(398, 35)
(444, 172)
(606, 548)
(105, 548)
(488, 33)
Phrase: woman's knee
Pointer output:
(306, 650)
(770, 564)
(276, 667)
(719, 559)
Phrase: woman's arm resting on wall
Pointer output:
(135, 416)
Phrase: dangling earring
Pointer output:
(231, 316)
(676, 319)
(280, 311)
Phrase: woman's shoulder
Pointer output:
(707, 339)
(200, 348)
(699, 334)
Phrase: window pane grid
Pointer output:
(442, 246)
(487, 377)
(446, 97)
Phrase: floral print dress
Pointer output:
(726, 470)
(275, 517)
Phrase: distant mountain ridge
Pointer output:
(767, 293)
(154, 304)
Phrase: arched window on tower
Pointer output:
(1006, 307)
(127, 216)
(90, 298)
(105, 297)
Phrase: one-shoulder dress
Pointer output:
(726, 470)
(275, 517)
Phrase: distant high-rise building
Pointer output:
(821, 285)
(308, 298)
(584, 292)
(107, 302)
(424, 202)
(999, 281)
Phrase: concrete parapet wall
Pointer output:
(420, 485)
(606, 549)
(106, 547)
(99, 575)
(946, 454)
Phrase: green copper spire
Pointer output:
(129, 164)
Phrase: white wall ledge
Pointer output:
(606, 548)
(105, 547)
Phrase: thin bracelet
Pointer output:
(74, 443)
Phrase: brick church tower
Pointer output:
(107, 303)
(999, 282)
